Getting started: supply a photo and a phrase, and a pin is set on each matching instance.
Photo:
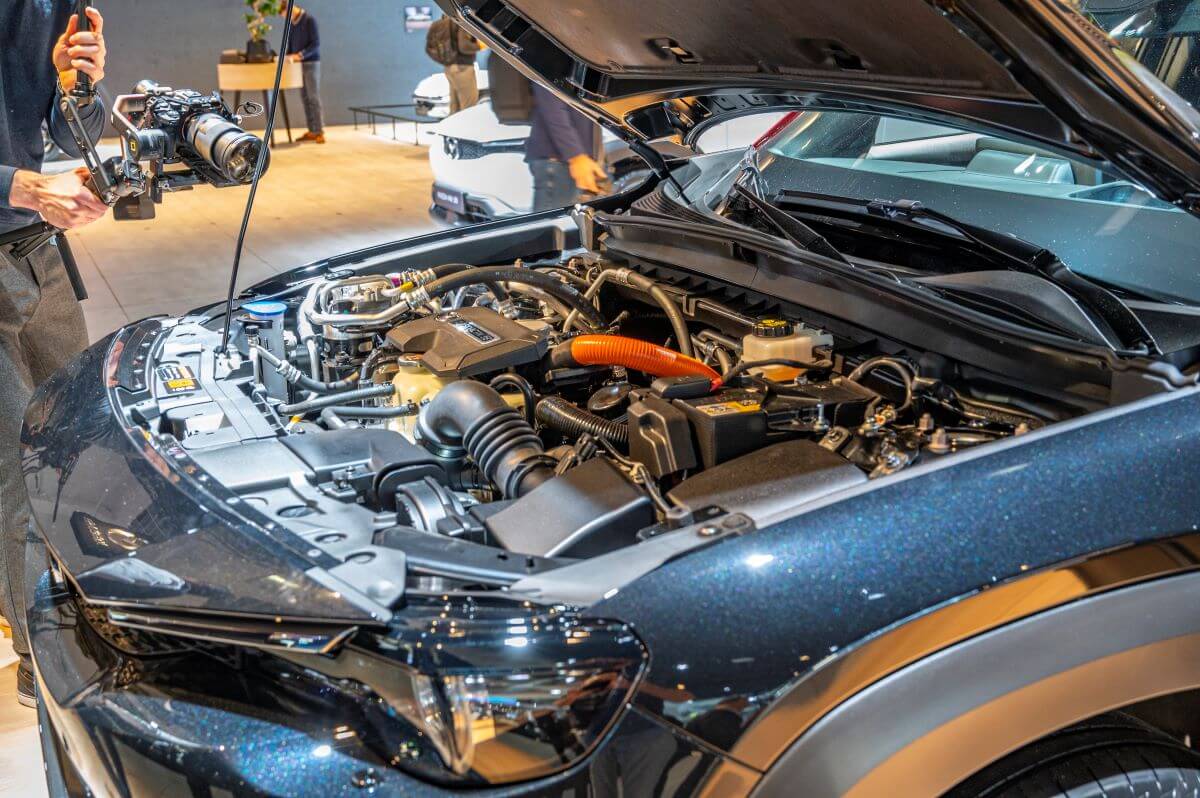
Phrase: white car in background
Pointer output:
(479, 170)
(432, 95)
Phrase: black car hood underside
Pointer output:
(1031, 69)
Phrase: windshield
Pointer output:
(1098, 224)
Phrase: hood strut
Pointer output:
(258, 170)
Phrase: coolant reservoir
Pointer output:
(417, 384)
(413, 383)
(775, 338)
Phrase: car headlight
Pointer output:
(497, 702)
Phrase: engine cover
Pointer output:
(467, 342)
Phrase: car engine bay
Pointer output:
(501, 420)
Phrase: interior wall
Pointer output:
(366, 56)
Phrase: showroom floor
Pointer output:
(316, 200)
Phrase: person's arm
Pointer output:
(314, 42)
(79, 51)
(92, 118)
(64, 200)
(7, 173)
(557, 116)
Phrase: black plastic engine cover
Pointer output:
(589, 510)
(373, 460)
(771, 480)
(467, 342)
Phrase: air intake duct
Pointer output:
(471, 418)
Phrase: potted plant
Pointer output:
(256, 17)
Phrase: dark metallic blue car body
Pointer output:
(754, 637)
(1041, 579)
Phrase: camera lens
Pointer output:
(231, 150)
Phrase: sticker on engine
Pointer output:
(730, 407)
(470, 328)
(177, 379)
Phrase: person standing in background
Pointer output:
(455, 50)
(305, 46)
(464, 88)
(561, 152)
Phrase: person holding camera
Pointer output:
(42, 52)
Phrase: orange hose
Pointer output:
(617, 350)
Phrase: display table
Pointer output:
(237, 78)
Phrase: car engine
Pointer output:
(544, 411)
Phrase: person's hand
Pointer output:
(80, 51)
(63, 200)
(294, 57)
(586, 172)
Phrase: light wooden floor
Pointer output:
(316, 200)
(20, 751)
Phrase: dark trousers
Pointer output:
(41, 328)
(552, 185)
(310, 94)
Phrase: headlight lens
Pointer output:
(492, 703)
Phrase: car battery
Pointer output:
(726, 424)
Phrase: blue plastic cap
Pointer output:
(265, 310)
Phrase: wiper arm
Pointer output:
(790, 227)
(1006, 250)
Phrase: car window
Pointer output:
(1098, 223)
(738, 133)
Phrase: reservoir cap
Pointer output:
(265, 310)
(772, 327)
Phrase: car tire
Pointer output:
(1111, 756)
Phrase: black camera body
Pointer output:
(197, 130)
(161, 127)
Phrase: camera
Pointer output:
(161, 127)
(181, 125)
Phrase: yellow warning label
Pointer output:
(727, 408)
(181, 385)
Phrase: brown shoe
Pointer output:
(319, 138)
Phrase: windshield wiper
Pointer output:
(789, 226)
(1002, 249)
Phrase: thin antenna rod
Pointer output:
(258, 170)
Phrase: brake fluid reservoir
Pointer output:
(775, 338)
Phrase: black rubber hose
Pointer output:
(319, 402)
(297, 377)
(472, 417)
(674, 315)
(374, 359)
(745, 365)
(386, 411)
(896, 366)
(447, 269)
(332, 419)
(571, 420)
(515, 274)
(522, 385)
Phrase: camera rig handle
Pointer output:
(112, 179)
(84, 92)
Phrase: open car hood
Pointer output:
(1031, 69)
